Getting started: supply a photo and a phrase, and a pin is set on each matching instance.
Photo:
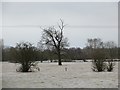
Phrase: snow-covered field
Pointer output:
(78, 75)
(0, 75)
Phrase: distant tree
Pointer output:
(95, 43)
(83, 55)
(87, 52)
(1, 48)
(46, 52)
(54, 38)
(118, 52)
(6, 54)
(92, 44)
(0, 51)
(111, 49)
(25, 54)
(110, 54)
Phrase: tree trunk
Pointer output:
(51, 60)
(59, 58)
(25, 68)
(41, 61)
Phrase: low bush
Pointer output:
(110, 66)
(98, 65)
(98, 62)
(26, 55)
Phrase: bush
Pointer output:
(110, 66)
(98, 62)
(26, 55)
(99, 65)
(31, 69)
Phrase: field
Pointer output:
(78, 75)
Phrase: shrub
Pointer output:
(26, 55)
(99, 65)
(98, 62)
(32, 68)
(110, 66)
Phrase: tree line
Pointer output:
(67, 54)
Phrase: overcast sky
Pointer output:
(21, 21)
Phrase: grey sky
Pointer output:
(21, 21)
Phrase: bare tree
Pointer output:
(53, 38)
(95, 43)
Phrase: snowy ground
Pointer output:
(0, 75)
(78, 75)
